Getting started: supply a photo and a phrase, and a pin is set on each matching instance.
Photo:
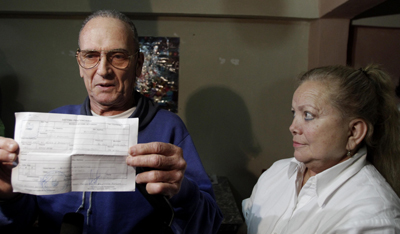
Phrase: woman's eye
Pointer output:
(293, 113)
(308, 116)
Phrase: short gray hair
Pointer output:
(116, 15)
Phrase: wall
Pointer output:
(377, 45)
(384, 21)
(219, 8)
(376, 40)
(237, 70)
(238, 62)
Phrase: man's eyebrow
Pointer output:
(112, 50)
(117, 50)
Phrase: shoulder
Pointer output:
(276, 174)
(282, 163)
(374, 186)
(367, 188)
(273, 187)
(166, 119)
(68, 109)
(278, 167)
(167, 115)
(165, 127)
(367, 198)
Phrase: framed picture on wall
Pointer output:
(160, 73)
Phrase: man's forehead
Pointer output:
(104, 30)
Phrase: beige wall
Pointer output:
(238, 113)
(248, 8)
(223, 104)
(238, 61)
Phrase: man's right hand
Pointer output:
(8, 154)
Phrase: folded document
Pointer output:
(60, 153)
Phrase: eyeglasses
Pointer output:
(118, 58)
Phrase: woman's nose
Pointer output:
(293, 128)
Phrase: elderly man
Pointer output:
(109, 61)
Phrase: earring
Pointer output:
(348, 153)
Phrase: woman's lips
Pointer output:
(297, 144)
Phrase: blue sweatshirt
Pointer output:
(195, 207)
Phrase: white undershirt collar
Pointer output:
(122, 115)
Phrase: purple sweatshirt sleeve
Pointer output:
(195, 205)
(18, 215)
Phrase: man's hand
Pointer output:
(167, 164)
(8, 154)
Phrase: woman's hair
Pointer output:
(367, 93)
(116, 15)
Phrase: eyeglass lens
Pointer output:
(89, 59)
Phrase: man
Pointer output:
(109, 61)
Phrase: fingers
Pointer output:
(168, 190)
(167, 183)
(161, 182)
(8, 150)
(167, 164)
(154, 148)
(155, 176)
(157, 155)
(8, 154)
(155, 161)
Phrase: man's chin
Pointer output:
(104, 101)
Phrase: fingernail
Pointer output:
(132, 151)
(128, 160)
(11, 146)
(12, 156)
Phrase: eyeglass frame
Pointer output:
(78, 50)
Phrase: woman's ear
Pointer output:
(358, 129)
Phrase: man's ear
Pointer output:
(139, 64)
(80, 71)
(358, 129)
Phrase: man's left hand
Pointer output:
(166, 163)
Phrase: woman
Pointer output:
(345, 127)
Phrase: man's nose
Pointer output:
(104, 67)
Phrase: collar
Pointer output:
(328, 181)
(145, 110)
(124, 114)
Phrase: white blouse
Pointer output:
(351, 197)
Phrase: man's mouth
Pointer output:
(105, 85)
